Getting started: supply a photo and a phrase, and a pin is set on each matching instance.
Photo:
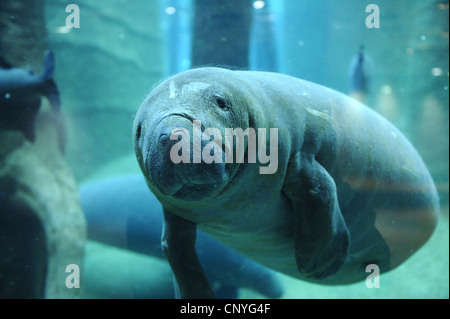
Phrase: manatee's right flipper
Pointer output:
(178, 244)
(321, 235)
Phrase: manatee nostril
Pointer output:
(164, 138)
(165, 142)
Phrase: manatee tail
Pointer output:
(357, 77)
(51, 92)
(50, 88)
(360, 73)
(49, 65)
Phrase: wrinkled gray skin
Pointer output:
(349, 191)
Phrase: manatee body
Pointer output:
(120, 211)
(349, 189)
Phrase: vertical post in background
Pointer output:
(264, 46)
(221, 33)
(176, 25)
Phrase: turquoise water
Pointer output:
(424, 275)
(123, 48)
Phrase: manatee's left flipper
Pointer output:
(178, 244)
(321, 235)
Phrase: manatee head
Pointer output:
(180, 133)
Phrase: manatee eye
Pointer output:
(138, 132)
(221, 102)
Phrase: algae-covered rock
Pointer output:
(42, 228)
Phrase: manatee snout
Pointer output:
(171, 159)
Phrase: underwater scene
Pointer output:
(233, 149)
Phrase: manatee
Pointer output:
(121, 212)
(20, 95)
(347, 189)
